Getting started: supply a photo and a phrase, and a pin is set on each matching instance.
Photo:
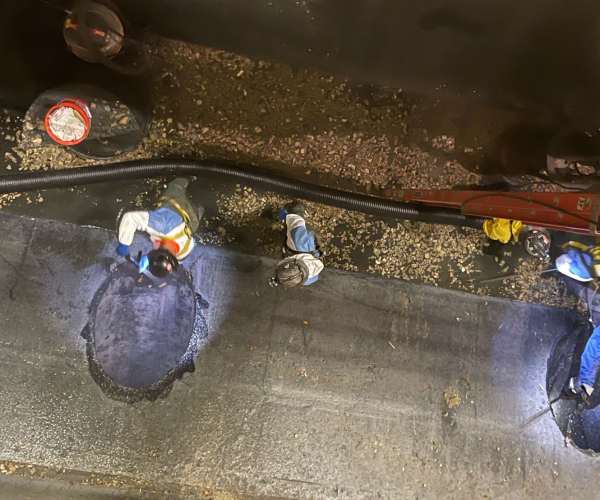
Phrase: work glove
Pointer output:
(579, 390)
(123, 250)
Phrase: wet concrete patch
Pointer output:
(143, 333)
(579, 422)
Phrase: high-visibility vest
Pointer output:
(187, 230)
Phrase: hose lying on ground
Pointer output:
(30, 181)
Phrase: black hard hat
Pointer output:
(162, 262)
(291, 272)
(536, 241)
(295, 207)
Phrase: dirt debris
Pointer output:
(425, 253)
(531, 287)
(308, 122)
(452, 397)
(213, 104)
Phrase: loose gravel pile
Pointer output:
(211, 103)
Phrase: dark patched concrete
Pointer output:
(331, 391)
(579, 421)
(142, 327)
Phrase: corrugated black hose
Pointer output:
(30, 181)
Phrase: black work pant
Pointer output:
(176, 190)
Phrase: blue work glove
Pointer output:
(123, 250)
(282, 215)
(143, 264)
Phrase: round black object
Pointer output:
(536, 241)
(578, 421)
(97, 31)
(142, 327)
(120, 117)
(162, 263)
(291, 272)
(105, 31)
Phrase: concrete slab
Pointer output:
(23, 488)
(331, 391)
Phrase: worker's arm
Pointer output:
(590, 360)
(130, 223)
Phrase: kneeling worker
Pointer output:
(582, 263)
(301, 251)
(171, 226)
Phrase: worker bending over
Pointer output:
(302, 252)
(582, 263)
(171, 226)
(502, 229)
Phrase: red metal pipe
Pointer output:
(571, 212)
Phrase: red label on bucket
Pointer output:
(68, 122)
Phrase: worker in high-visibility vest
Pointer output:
(170, 226)
(502, 229)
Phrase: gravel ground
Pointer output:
(431, 254)
(213, 104)
(210, 103)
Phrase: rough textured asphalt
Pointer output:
(357, 387)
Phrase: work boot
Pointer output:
(493, 247)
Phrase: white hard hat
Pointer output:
(563, 265)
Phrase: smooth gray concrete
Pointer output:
(331, 391)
